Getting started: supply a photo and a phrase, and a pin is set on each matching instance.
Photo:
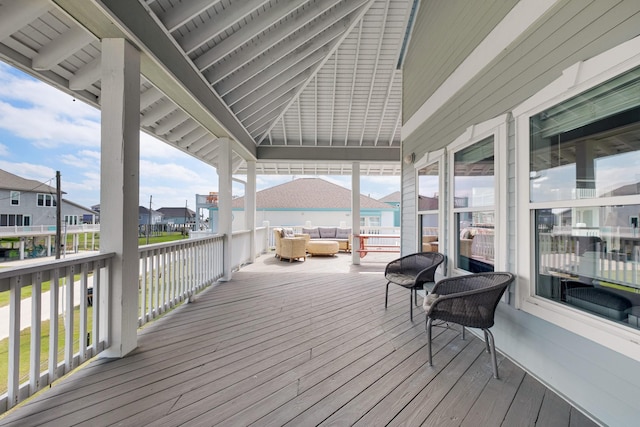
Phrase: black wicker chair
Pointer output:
(412, 272)
(469, 301)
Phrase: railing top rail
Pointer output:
(190, 241)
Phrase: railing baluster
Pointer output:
(68, 324)
(54, 290)
(13, 383)
(84, 281)
(36, 333)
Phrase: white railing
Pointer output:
(562, 253)
(46, 230)
(47, 306)
(173, 272)
(169, 274)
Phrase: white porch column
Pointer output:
(224, 203)
(355, 211)
(119, 183)
(250, 206)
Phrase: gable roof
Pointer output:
(309, 193)
(9, 181)
(391, 198)
(177, 212)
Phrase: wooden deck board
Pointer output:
(302, 343)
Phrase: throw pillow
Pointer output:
(343, 233)
(327, 232)
(429, 300)
(288, 232)
(313, 233)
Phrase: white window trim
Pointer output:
(576, 79)
(11, 192)
(426, 160)
(496, 127)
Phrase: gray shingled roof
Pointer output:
(9, 181)
(309, 193)
(177, 212)
(391, 198)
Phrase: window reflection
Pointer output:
(428, 205)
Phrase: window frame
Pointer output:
(438, 156)
(496, 127)
(14, 196)
(45, 196)
(575, 80)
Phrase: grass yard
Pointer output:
(25, 344)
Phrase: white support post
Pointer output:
(224, 204)
(355, 212)
(250, 207)
(119, 177)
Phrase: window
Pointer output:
(71, 219)
(478, 197)
(11, 220)
(474, 197)
(370, 221)
(46, 200)
(14, 196)
(429, 207)
(583, 185)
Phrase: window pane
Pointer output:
(428, 187)
(474, 175)
(15, 198)
(40, 199)
(588, 146)
(588, 257)
(429, 232)
(475, 245)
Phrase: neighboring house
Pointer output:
(175, 216)
(315, 202)
(143, 216)
(393, 199)
(26, 202)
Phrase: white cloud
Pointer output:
(31, 171)
(4, 150)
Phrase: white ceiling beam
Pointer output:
(192, 137)
(353, 83)
(16, 14)
(62, 47)
(184, 12)
(157, 112)
(208, 30)
(247, 32)
(149, 97)
(208, 149)
(277, 36)
(385, 106)
(362, 11)
(333, 101)
(181, 130)
(170, 122)
(86, 76)
(280, 57)
(375, 70)
(315, 113)
(274, 80)
(268, 108)
(250, 104)
(200, 143)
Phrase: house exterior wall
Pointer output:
(595, 377)
(317, 217)
(40, 215)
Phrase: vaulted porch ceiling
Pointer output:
(308, 86)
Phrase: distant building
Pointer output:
(26, 202)
(394, 199)
(315, 202)
(177, 216)
(143, 216)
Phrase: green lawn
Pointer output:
(25, 345)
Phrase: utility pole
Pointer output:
(58, 242)
(149, 219)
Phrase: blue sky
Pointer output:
(43, 130)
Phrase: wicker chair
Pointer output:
(412, 272)
(469, 301)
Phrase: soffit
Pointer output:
(269, 75)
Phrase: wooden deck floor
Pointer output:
(301, 344)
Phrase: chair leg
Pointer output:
(411, 306)
(429, 324)
(494, 359)
(486, 340)
(386, 296)
(463, 330)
